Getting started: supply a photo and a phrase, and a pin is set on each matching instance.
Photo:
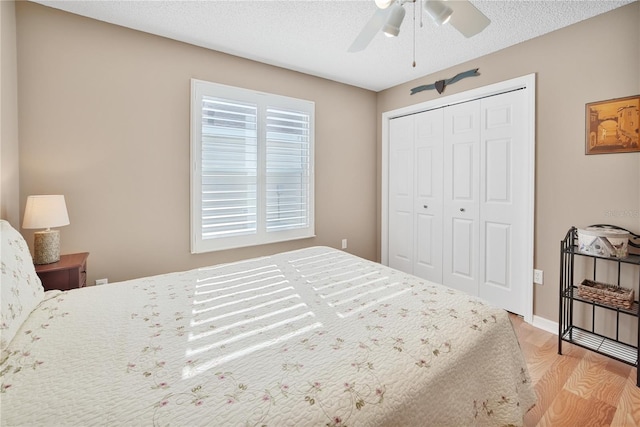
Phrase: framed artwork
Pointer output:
(612, 126)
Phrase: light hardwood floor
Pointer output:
(579, 387)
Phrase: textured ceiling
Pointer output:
(313, 36)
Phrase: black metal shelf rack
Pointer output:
(589, 339)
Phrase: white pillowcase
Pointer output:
(21, 289)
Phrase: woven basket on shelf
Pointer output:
(603, 293)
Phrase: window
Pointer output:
(252, 167)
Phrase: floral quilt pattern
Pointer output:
(311, 337)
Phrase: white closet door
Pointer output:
(503, 205)
(401, 190)
(428, 195)
(461, 196)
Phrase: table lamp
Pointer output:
(46, 212)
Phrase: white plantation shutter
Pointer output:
(288, 192)
(252, 168)
(229, 168)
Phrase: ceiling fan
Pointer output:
(461, 14)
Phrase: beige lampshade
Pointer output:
(46, 212)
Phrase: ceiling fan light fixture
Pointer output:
(392, 26)
(383, 4)
(438, 11)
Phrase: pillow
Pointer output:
(21, 290)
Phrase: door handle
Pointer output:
(425, 206)
(461, 209)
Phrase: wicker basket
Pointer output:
(603, 293)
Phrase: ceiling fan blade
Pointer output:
(466, 18)
(370, 30)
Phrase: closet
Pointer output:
(460, 197)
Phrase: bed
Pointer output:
(311, 337)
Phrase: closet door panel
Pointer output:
(426, 255)
(400, 242)
(425, 179)
(425, 219)
(504, 166)
(428, 195)
(461, 196)
(497, 171)
(463, 168)
(497, 239)
(401, 193)
(463, 255)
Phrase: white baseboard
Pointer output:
(545, 324)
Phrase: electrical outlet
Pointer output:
(344, 243)
(102, 281)
(537, 277)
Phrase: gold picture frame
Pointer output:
(612, 126)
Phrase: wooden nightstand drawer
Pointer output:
(68, 273)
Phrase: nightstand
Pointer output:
(68, 273)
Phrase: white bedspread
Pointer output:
(306, 338)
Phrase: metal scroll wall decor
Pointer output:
(441, 84)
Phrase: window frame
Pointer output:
(263, 101)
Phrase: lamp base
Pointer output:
(46, 247)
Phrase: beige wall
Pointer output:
(595, 60)
(9, 190)
(104, 120)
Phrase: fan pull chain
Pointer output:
(414, 34)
